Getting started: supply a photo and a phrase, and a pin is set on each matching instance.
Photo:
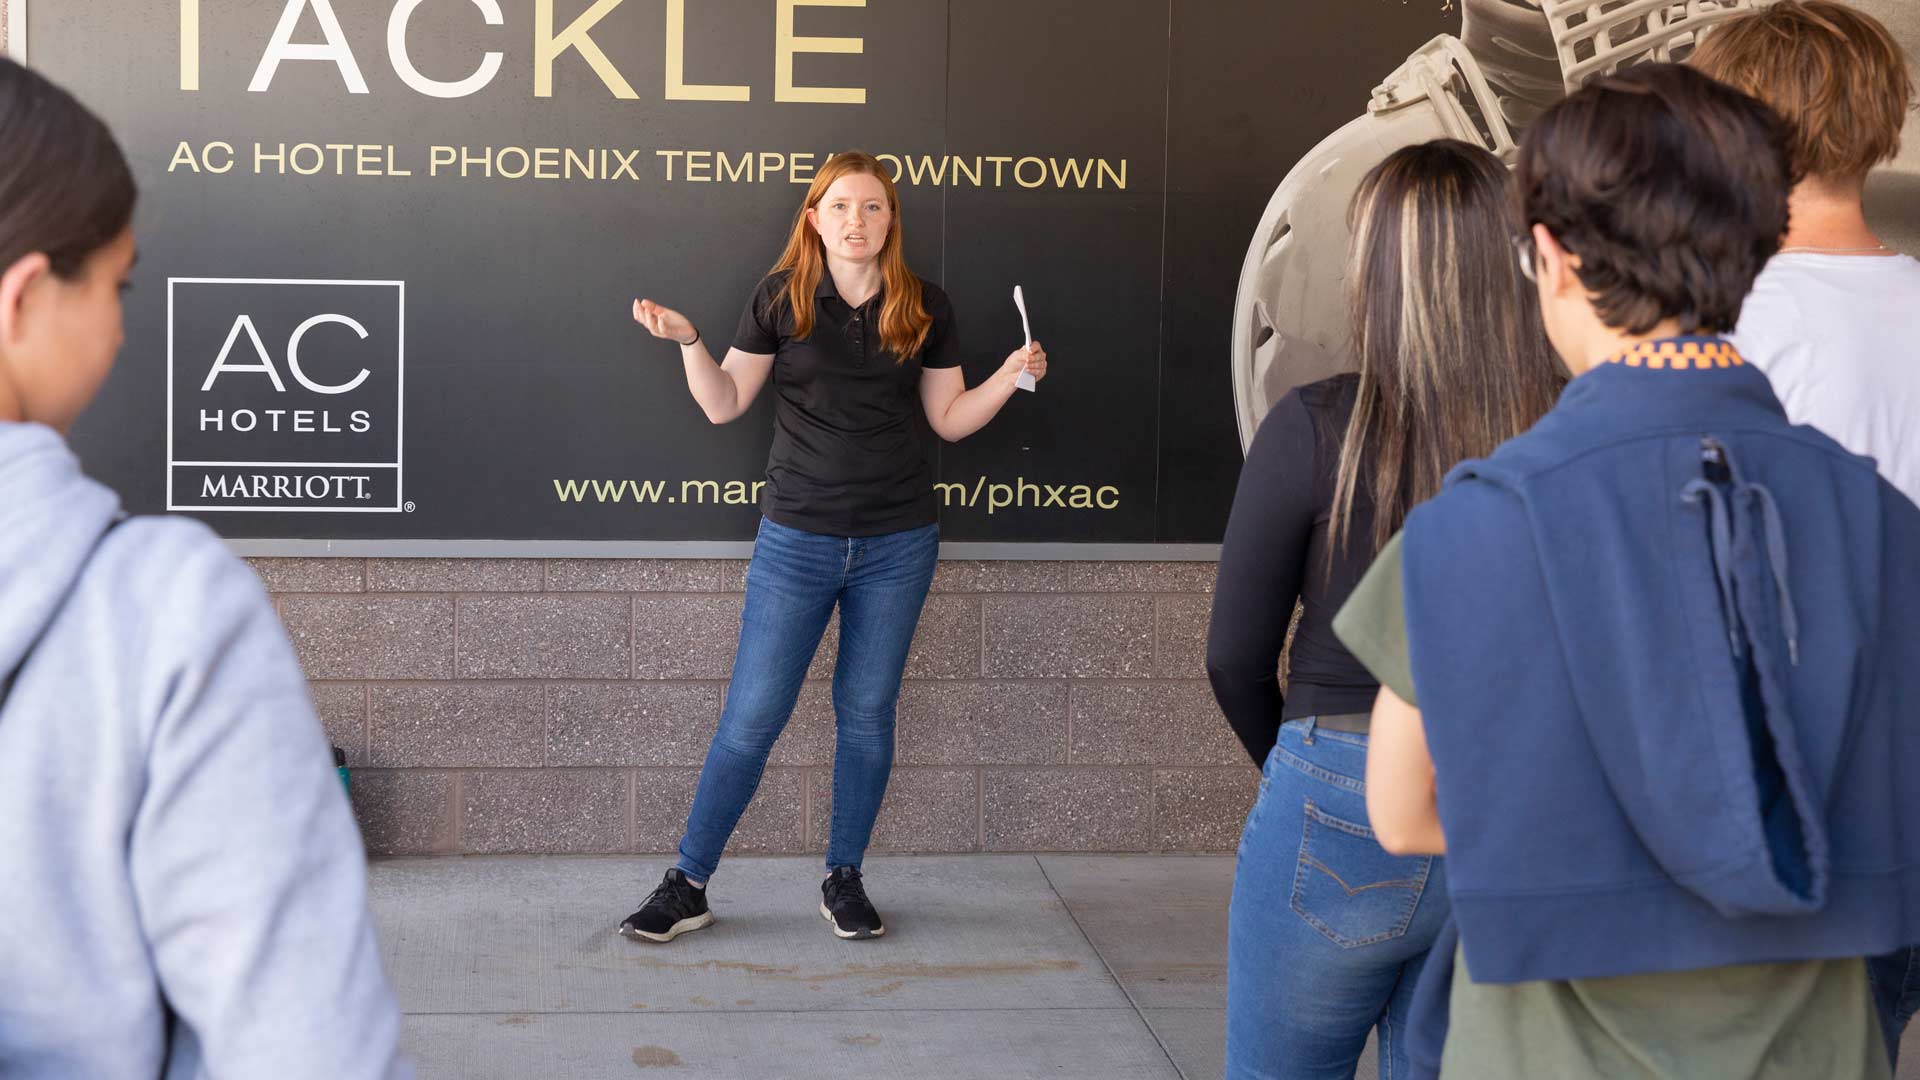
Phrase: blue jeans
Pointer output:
(793, 583)
(1327, 932)
(1896, 994)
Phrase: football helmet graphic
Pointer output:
(1511, 61)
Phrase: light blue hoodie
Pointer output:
(182, 888)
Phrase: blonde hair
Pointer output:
(1834, 74)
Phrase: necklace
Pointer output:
(1837, 251)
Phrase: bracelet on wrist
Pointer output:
(695, 341)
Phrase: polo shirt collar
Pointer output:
(827, 290)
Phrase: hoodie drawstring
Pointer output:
(1777, 561)
(1725, 530)
(1720, 531)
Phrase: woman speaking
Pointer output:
(850, 338)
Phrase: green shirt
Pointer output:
(1791, 1021)
(1785, 1021)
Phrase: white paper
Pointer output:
(1026, 334)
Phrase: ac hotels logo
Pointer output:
(285, 395)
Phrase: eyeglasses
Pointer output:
(1523, 251)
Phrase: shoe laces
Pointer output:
(676, 895)
(845, 886)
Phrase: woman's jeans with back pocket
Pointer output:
(1327, 932)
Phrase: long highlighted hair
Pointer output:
(904, 321)
(1452, 355)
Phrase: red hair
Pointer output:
(904, 321)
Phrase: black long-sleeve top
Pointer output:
(1275, 553)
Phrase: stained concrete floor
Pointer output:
(1003, 967)
(993, 966)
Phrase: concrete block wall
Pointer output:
(564, 706)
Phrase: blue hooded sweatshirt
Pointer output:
(1667, 651)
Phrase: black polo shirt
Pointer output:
(848, 457)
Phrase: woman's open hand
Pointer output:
(664, 322)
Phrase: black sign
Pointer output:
(389, 247)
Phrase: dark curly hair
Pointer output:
(1670, 188)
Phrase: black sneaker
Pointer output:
(674, 908)
(844, 903)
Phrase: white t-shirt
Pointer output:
(1839, 337)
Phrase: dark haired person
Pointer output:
(1327, 932)
(183, 886)
(1649, 668)
(1834, 319)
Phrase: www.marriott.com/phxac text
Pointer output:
(993, 496)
